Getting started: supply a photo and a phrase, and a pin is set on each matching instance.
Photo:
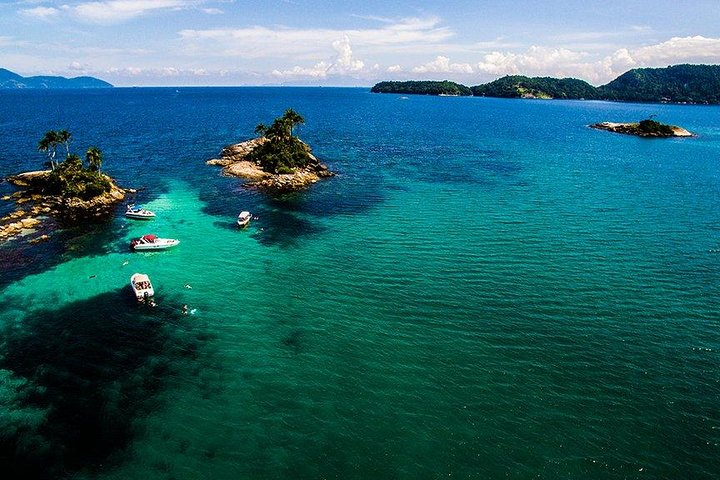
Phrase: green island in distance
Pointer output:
(692, 84)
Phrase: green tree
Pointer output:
(283, 152)
(64, 138)
(292, 119)
(48, 144)
(93, 155)
(261, 129)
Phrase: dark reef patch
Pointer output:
(283, 229)
(77, 379)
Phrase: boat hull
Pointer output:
(140, 216)
(160, 244)
(243, 219)
(141, 287)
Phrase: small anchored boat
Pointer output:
(141, 286)
(152, 242)
(138, 212)
(243, 219)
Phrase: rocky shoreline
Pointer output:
(634, 129)
(234, 163)
(35, 209)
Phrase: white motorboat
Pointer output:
(243, 219)
(152, 242)
(138, 212)
(141, 286)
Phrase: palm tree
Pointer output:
(64, 137)
(48, 144)
(94, 158)
(292, 119)
(261, 129)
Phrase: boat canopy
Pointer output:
(149, 238)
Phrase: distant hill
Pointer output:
(422, 88)
(10, 79)
(517, 86)
(675, 84)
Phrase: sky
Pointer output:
(351, 43)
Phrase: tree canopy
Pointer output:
(70, 178)
(422, 88)
(283, 152)
(674, 84)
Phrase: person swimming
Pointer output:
(185, 309)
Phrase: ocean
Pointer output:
(487, 289)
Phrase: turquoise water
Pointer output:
(488, 289)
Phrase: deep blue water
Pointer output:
(487, 289)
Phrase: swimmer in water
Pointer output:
(185, 309)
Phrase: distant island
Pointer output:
(277, 161)
(693, 84)
(445, 88)
(11, 80)
(518, 86)
(644, 128)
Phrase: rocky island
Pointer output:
(276, 161)
(69, 191)
(644, 128)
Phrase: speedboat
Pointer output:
(243, 219)
(138, 213)
(141, 286)
(152, 242)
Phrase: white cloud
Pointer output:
(343, 64)
(536, 61)
(42, 13)
(680, 50)
(281, 42)
(113, 11)
(344, 61)
(442, 65)
(394, 69)
(561, 62)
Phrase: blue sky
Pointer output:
(320, 42)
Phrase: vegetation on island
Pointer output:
(71, 178)
(644, 128)
(423, 88)
(282, 152)
(518, 86)
(652, 127)
(674, 84)
(699, 84)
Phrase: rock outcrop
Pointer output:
(36, 209)
(233, 159)
(634, 129)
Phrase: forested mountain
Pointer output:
(422, 88)
(10, 79)
(517, 86)
(675, 84)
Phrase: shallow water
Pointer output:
(487, 289)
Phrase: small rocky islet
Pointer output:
(34, 208)
(645, 128)
(72, 190)
(276, 162)
(234, 162)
